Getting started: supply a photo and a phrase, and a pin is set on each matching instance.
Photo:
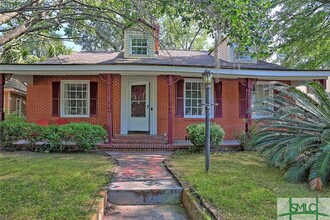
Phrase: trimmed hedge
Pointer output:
(196, 134)
(57, 138)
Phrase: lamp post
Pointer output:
(207, 77)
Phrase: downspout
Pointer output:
(2, 96)
(248, 108)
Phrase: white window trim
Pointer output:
(184, 99)
(20, 106)
(138, 37)
(62, 98)
(271, 94)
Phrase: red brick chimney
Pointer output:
(156, 37)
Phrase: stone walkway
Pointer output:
(143, 188)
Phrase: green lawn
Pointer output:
(50, 186)
(240, 185)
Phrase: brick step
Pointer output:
(137, 141)
(139, 136)
(137, 147)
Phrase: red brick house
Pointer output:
(147, 90)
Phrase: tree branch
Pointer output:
(6, 16)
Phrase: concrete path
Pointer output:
(143, 188)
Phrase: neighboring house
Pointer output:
(147, 90)
(15, 97)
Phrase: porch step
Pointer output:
(138, 141)
(139, 136)
(136, 147)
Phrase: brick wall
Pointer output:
(162, 104)
(39, 101)
(230, 121)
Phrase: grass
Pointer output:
(50, 186)
(240, 185)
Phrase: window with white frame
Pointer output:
(74, 98)
(18, 107)
(139, 46)
(194, 97)
(261, 91)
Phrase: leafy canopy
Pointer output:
(302, 36)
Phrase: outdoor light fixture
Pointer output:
(207, 77)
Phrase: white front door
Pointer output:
(138, 112)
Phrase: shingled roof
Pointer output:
(165, 58)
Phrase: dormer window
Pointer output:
(139, 46)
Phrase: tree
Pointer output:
(177, 34)
(34, 20)
(240, 20)
(243, 22)
(34, 49)
(97, 36)
(302, 36)
(296, 136)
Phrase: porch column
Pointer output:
(109, 108)
(249, 99)
(2, 98)
(170, 123)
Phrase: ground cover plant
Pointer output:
(241, 185)
(296, 135)
(50, 186)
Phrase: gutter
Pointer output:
(44, 69)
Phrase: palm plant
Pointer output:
(296, 136)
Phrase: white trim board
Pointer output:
(125, 82)
(154, 70)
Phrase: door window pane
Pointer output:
(138, 101)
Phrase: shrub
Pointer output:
(296, 135)
(53, 138)
(196, 134)
(12, 131)
(13, 118)
(245, 138)
(83, 134)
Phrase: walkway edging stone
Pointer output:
(100, 206)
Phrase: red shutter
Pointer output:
(242, 99)
(56, 98)
(179, 99)
(218, 99)
(93, 98)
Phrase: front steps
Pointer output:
(137, 142)
(145, 193)
(143, 188)
(147, 212)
